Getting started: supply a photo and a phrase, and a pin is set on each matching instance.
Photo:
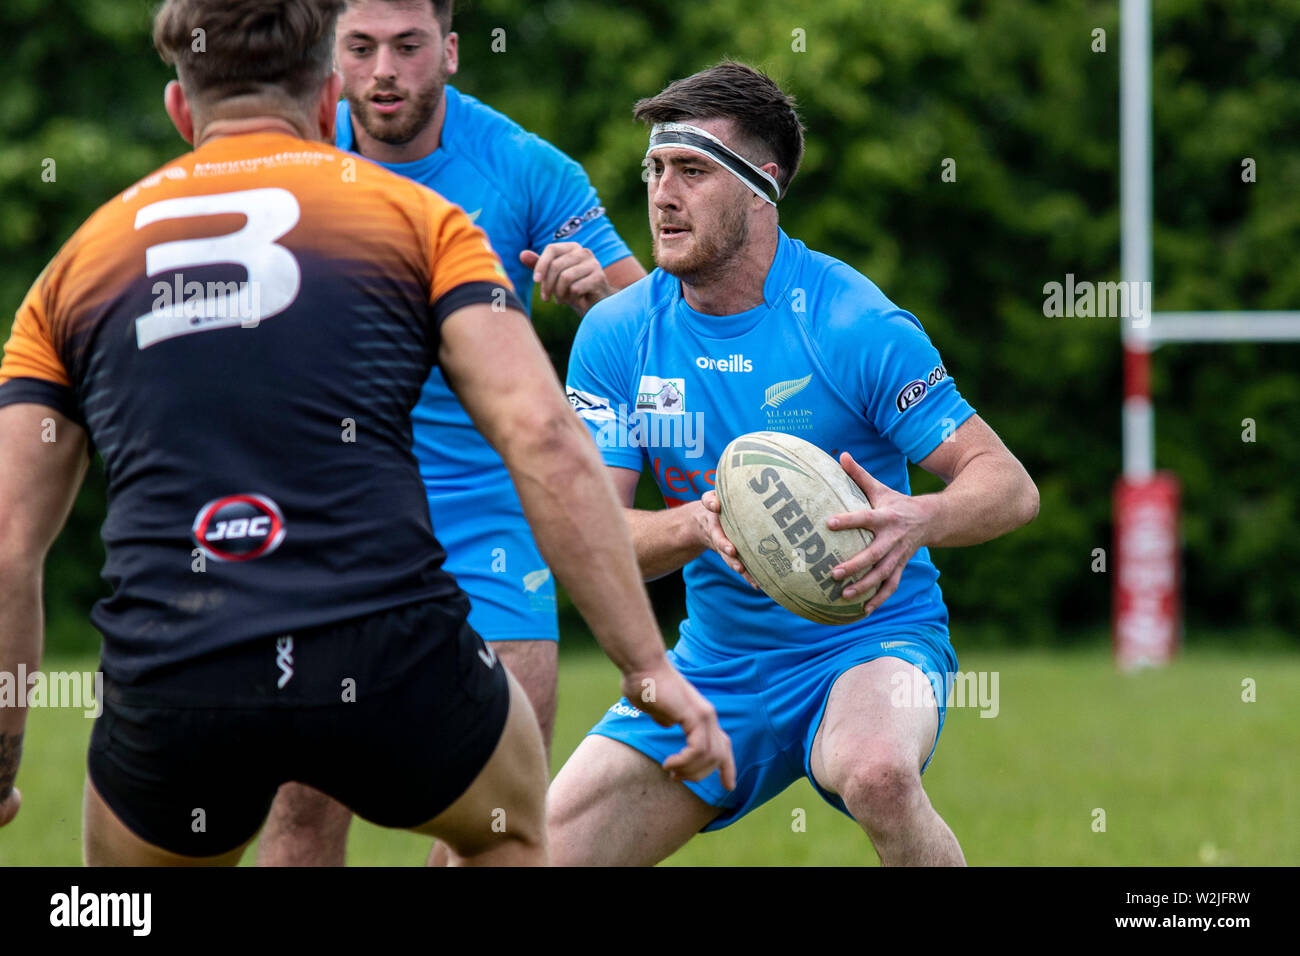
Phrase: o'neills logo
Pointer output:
(732, 363)
(239, 527)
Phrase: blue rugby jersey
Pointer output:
(525, 194)
(826, 356)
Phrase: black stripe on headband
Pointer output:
(754, 178)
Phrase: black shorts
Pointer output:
(393, 715)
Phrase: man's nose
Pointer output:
(665, 191)
(385, 64)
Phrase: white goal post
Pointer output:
(1146, 609)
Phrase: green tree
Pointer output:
(1009, 98)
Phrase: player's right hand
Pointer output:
(714, 538)
(9, 806)
(668, 698)
(568, 272)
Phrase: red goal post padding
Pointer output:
(1147, 623)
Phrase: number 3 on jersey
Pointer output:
(274, 277)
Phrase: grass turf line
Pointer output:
(1185, 770)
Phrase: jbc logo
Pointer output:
(239, 527)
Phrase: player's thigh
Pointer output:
(506, 801)
(304, 828)
(611, 805)
(534, 664)
(300, 807)
(868, 723)
(107, 841)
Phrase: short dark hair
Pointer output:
(228, 48)
(442, 11)
(764, 115)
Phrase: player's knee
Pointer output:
(563, 815)
(882, 788)
(560, 813)
(530, 827)
(525, 834)
(564, 848)
(515, 834)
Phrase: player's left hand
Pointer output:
(712, 535)
(899, 523)
(568, 272)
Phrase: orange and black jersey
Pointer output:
(243, 335)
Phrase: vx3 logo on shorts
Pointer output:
(487, 655)
(284, 659)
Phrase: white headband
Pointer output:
(685, 136)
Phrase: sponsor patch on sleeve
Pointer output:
(593, 408)
(916, 390)
(574, 223)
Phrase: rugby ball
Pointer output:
(776, 492)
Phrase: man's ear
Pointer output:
(773, 170)
(327, 107)
(178, 108)
(451, 51)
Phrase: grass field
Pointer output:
(1186, 772)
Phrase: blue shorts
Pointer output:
(492, 556)
(771, 705)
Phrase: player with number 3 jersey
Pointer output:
(545, 220)
(242, 336)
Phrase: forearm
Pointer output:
(991, 496)
(571, 506)
(665, 540)
(21, 630)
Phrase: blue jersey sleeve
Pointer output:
(564, 207)
(888, 365)
(599, 382)
(907, 393)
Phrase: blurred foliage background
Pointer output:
(1012, 91)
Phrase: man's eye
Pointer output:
(690, 172)
(358, 50)
(409, 48)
